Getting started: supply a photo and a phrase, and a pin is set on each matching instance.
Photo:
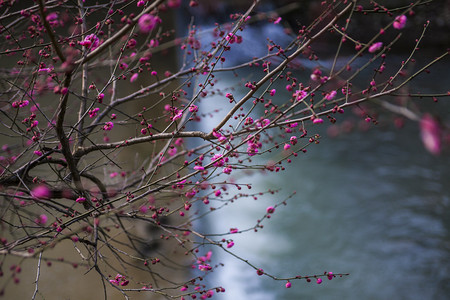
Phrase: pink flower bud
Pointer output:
(375, 47)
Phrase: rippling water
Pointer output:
(373, 204)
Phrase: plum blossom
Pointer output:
(300, 95)
(80, 200)
(205, 267)
(41, 192)
(400, 22)
(317, 121)
(330, 96)
(293, 140)
(177, 115)
(430, 132)
(262, 123)
(147, 22)
(220, 161)
(134, 77)
(227, 170)
(91, 42)
(93, 112)
(119, 280)
(108, 126)
(174, 3)
(375, 47)
(270, 210)
(42, 219)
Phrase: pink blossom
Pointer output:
(90, 42)
(430, 132)
(193, 108)
(230, 244)
(286, 147)
(400, 22)
(205, 267)
(278, 20)
(217, 193)
(38, 153)
(234, 230)
(174, 3)
(41, 192)
(134, 77)
(227, 170)
(80, 200)
(270, 210)
(319, 280)
(220, 161)
(330, 275)
(330, 96)
(108, 126)
(100, 97)
(317, 121)
(190, 194)
(115, 282)
(293, 140)
(178, 115)
(147, 22)
(375, 47)
(42, 219)
(272, 92)
(52, 17)
(178, 141)
(263, 123)
(260, 272)
(288, 284)
(172, 151)
(300, 95)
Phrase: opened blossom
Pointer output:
(41, 192)
(91, 42)
(147, 22)
(400, 22)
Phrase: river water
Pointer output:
(374, 204)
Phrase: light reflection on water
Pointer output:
(376, 209)
(373, 204)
